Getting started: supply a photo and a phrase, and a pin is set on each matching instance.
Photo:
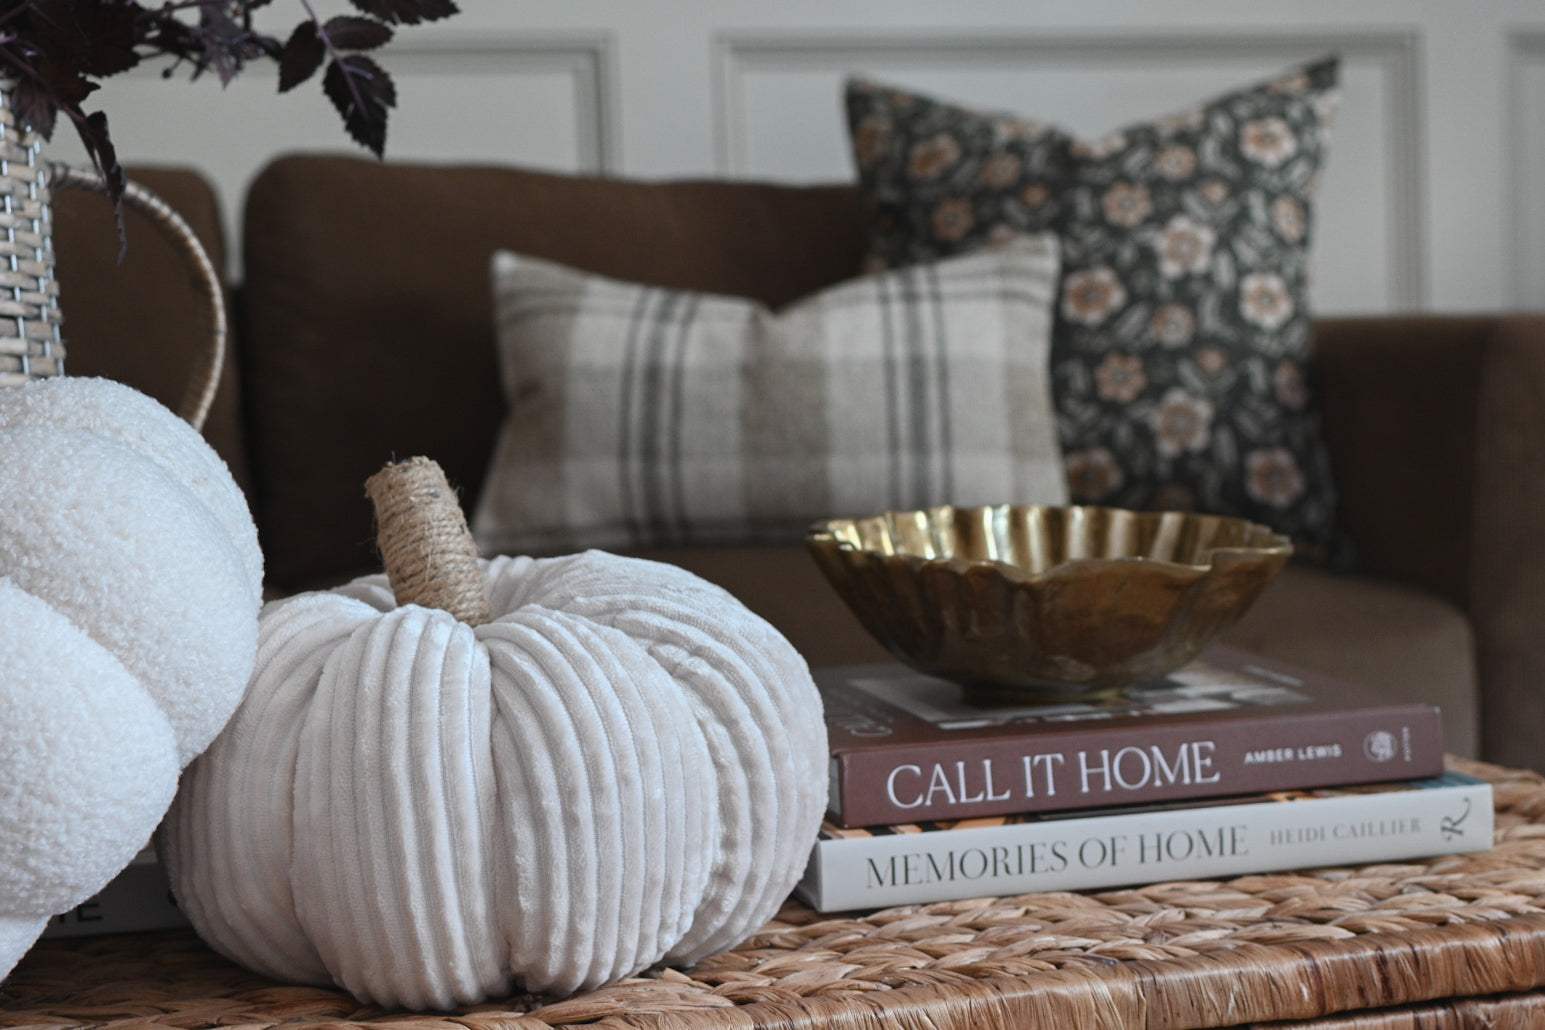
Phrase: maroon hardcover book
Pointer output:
(908, 747)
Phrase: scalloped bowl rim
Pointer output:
(825, 531)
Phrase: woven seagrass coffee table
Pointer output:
(1450, 942)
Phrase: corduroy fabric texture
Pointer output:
(624, 766)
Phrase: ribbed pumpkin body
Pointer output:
(625, 765)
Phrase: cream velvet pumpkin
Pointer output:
(130, 581)
(623, 765)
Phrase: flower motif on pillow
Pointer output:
(1181, 351)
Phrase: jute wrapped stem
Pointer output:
(428, 551)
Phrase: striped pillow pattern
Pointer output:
(644, 417)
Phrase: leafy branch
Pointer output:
(55, 52)
(357, 86)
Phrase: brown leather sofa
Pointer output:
(363, 331)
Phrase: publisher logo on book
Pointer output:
(1379, 746)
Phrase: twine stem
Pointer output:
(428, 551)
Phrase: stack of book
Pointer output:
(1231, 766)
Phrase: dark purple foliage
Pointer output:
(57, 50)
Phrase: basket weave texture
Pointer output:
(1300, 946)
(30, 345)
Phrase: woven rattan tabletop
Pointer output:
(1277, 947)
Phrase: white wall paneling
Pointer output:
(778, 116)
(545, 99)
(1526, 171)
(1433, 198)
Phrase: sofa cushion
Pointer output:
(368, 321)
(140, 321)
(1407, 643)
(648, 417)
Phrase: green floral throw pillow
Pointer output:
(1181, 348)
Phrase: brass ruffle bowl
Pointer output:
(1046, 601)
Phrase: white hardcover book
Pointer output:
(137, 899)
(904, 865)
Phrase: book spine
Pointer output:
(136, 900)
(1146, 847)
(1066, 768)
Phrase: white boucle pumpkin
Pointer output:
(130, 580)
(123, 415)
(623, 765)
(88, 765)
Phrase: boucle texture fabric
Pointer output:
(1181, 354)
(624, 766)
(130, 581)
(125, 416)
(88, 765)
(642, 416)
(107, 538)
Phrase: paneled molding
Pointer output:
(1395, 52)
(1525, 181)
(590, 59)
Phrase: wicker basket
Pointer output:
(1448, 942)
(31, 345)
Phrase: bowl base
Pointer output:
(990, 695)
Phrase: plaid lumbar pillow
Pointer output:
(642, 416)
(1182, 338)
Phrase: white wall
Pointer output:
(1434, 197)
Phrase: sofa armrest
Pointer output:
(1507, 543)
(108, 303)
(1399, 398)
(1436, 429)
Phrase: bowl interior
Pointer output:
(1033, 539)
